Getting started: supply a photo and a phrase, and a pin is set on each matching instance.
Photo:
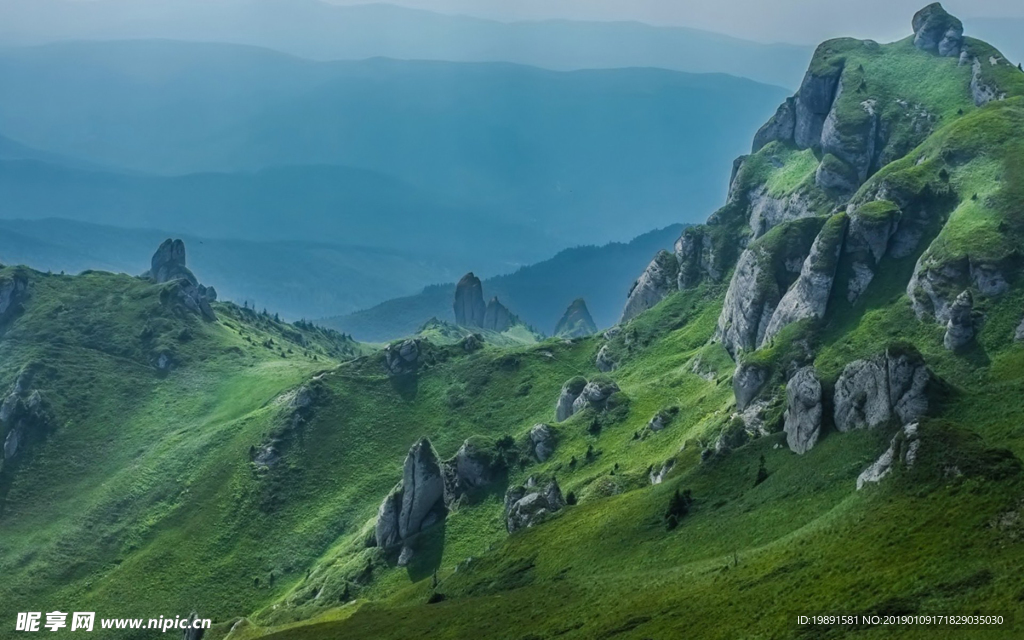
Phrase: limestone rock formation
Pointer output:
(469, 469)
(748, 306)
(497, 317)
(695, 255)
(168, 265)
(190, 632)
(808, 297)
(803, 410)
(1018, 335)
(571, 390)
(576, 322)
(13, 291)
(779, 127)
(469, 302)
(938, 32)
(528, 506)
(657, 281)
(542, 441)
(872, 226)
(814, 102)
(23, 416)
(960, 328)
(403, 357)
(595, 395)
(657, 477)
(903, 448)
(408, 508)
(604, 361)
(747, 382)
(889, 386)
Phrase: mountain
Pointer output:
(822, 416)
(505, 142)
(295, 279)
(538, 293)
(321, 31)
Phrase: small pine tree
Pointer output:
(678, 507)
(570, 498)
(762, 472)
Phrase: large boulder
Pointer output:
(402, 358)
(747, 382)
(576, 322)
(748, 305)
(528, 506)
(595, 395)
(808, 297)
(695, 254)
(604, 361)
(571, 390)
(938, 32)
(469, 469)
(469, 302)
(803, 410)
(960, 328)
(542, 441)
(409, 507)
(660, 279)
(168, 265)
(872, 392)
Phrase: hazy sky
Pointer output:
(800, 21)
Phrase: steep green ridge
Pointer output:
(687, 509)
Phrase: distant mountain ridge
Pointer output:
(321, 31)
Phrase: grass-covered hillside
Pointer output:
(816, 413)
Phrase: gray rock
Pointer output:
(747, 382)
(808, 297)
(660, 279)
(780, 127)
(571, 390)
(11, 443)
(871, 227)
(813, 103)
(748, 305)
(12, 295)
(595, 395)
(836, 176)
(190, 632)
(988, 278)
(469, 302)
(903, 448)
(542, 441)
(960, 328)
(22, 416)
(468, 470)
(767, 212)
(872, 392)
(931, 287)
(402, 357)
(982, 90)
(657, 477)
(576, 322)
(1018, 335)
(938, 32)
(657, 423)
(405, 557)
(497, 317)
(856, 144)
(604, 361)
(526, 507)
(695, 254)
(404, 512)
(168, 263)
(803, 410)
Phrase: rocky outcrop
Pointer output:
(657, 477)
(891, 386)
(938, 32)
(767, 211)
(660, 279)
(747, 382)
(576, 322)
(528, 506)
(13, 291)
(542, 442)
(779, 127)
(803, 410)
(983, 90)
(814, 102)
(594, 395)
(571, 390)
(960, 328)
(852, 139)
(902, 449)
(604, 361)
(695, 255)
(23, 417)
(871, 227)
(191, 632)
(469, 302)
(808, 297)
(937, 283)
(1018, 335)
(748, 305)
(168, 265)
(468, 470)
(413, 504)
(497, 317)
(402, 358)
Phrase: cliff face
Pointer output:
(469, 301)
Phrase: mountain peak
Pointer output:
(576, 322)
